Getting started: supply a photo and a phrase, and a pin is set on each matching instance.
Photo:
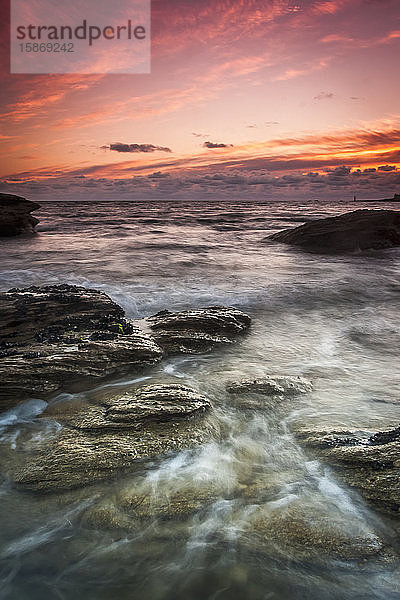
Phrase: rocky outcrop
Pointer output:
(53, 335)
(96, 442)
(15, 215)
(131, 506)
(196, 331)
(369, 463)
(353, 231)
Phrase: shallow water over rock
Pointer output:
(251, 512)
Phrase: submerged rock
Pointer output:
(302, 534)
(266, 392)
(53, 335)
(130, 507)
(98, 441)
(277, 385)
(369, 463)
(15, 215)
(357, 230)
(196, 331)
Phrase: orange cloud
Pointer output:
(367, 148)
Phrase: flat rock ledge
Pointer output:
(97, 442)
(53, 335)
(368, 462)
(15, 215)
(197, 331)
(350, 232)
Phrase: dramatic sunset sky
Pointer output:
(246, 98)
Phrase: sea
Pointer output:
(333, 319)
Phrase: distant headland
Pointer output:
(396, 198)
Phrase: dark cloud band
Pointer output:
(119, 147)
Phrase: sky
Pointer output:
(246, 99)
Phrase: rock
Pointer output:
(99, 441)
(149, 404)
(384, 437)
(106, 516)
(369, 463)
(196, 331)
(53, 335)
(266, 392)
(301, 533)
(358, 230)
(130, 507)
(277, 385)
(15, 215)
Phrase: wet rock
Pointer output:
(196, 331)
(176, 505)
(130, 507)
(279, 385)
(149, 404)
(357, 230)
(53, 335)
(302, 534)
(266, 392)
(369, 463)
(15, 215)
(106, 516)
(45, 313)
(97, 442)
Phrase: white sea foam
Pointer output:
(333, 319)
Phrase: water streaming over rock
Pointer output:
(250, 514)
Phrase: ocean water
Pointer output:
(332, 319)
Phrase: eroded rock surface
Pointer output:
(15, 215)
(267, 392)
(369, 463)
(278, 385)
(302, 534)
(98, 441)
(149, 404)
(54, 334)
(127, 509)
(357, 230)
(195, 331)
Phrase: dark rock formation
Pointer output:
(55, 334)
(279, 385)
(15, 215)
(98, 441)
(196, 331)
(396, 198)
(370, 463)
(353, 231)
